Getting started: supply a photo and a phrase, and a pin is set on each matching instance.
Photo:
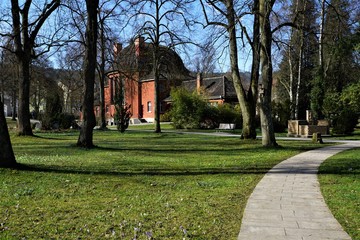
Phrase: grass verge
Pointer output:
(340, 186)
(132, 186)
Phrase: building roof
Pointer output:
(138, 57)
(219, 87)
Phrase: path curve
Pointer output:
(287, 203)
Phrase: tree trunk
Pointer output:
(157, 91)
(24, 126)
(7, 158)
(156, 68)
(247, 103)
(86, 133)
(255, 66)
(297, 90)
(301, 59)
(291, 85)
(13, 117)
(102, 78)
(267, 128)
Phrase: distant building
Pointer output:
(218, 89)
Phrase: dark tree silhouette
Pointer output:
(86, 133)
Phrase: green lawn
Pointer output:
(152, 186)
(339, 178)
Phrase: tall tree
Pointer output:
(158, 27)
(338, 47)
(267, 128)
(25, 33)
(247, 97)
(336, 58)
(86, 133)
(9, 77)
(107, 16)
(299, 57)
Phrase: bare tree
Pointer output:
(9, 77)
(159, 28)
(206, 58)
(71, 75)
(267, 128)
(25, 30)
(86, 133)
(107, 17)
(247, 96)
(298, 63)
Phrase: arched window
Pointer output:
(149, 106)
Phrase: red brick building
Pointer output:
(132, 76)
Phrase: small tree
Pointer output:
(122, 116)
(122, 109)
(53, 110)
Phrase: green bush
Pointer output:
(165, 117)
(345, 122)
(190, 110)
(229, 114)
(342, 109)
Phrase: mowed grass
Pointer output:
(132, 186)
(339, 178)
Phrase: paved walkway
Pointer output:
(287, 202)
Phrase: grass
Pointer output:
(133, 185)
(340, 186)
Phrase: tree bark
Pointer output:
(7, 158)
(102, 77)
(86, 133)
(267, 128)
(14, 98)
(291, 85)
(24, 126)
(246, 101)
(156, 67)
(157, 93)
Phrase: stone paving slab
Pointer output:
(287, 203)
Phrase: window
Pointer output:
(149, 106)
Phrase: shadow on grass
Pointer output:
(137, 172)
(342, 167)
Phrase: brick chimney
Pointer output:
(199, 82)
(117, 49)
(139, 43)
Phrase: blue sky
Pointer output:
(198, 35)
